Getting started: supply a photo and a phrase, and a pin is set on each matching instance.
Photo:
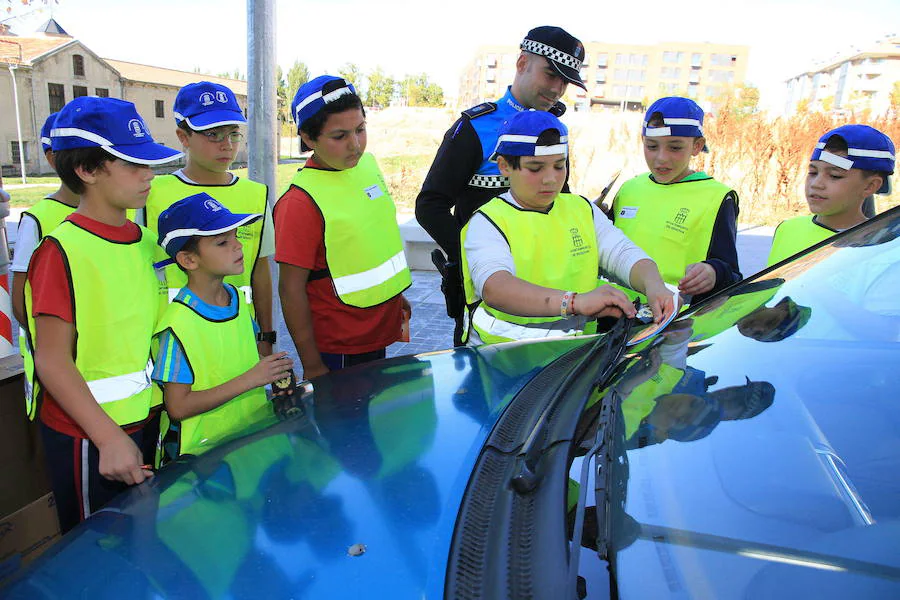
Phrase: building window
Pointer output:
(601, 59)
(78, 65)
(57, 94)
(620, 74)
(723, 60)
(721, 76)
(601, 76)
(102, 92)
(618, 91)
(696, 60)
(160, 109)
(673, 57)
(670, 73)
(14, 151)
(621, 59)
(78, 91)
(599, 91)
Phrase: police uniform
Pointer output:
(463, 178)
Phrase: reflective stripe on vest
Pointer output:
(113, 323)
(241, 196)
(672, 223)
(48, 213)
(796, 235)
(217, 351)
(556, 249)
(492, 329)
(363, 247)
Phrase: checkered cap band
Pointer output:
(489, 181)
(552, 53)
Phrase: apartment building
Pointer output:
(855, 79)
(621, 75)
(48, 68)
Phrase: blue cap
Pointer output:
(45, 132)
(313, 95)
(200, 214)
(519, 135)
(682, 117)
(111, 124)
(867, 149)
(204, 105)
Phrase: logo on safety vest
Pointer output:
(682, 216)
(578, 245)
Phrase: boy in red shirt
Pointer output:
(338, 246)
(91, 298)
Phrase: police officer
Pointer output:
(461, 175)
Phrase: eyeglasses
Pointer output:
(217, 137)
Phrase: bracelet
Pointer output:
(572, 303)
(266, 336)
(566, 303)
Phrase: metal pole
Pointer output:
(12, 74)
(262, 112)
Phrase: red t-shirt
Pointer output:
(52, 295)
(337, 327)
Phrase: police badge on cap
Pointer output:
(564, 52)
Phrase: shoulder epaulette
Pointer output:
(484, 108)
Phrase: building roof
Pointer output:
(888, 47)
(171, 77)
(51, 27)
(25, 50)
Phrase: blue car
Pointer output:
(749, 450)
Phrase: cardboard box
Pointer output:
(26, 533)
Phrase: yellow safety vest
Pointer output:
(795, 235)
(114, 323)
(239, 196)
(556, 249)
(735, 308)
(48, 214)
(672, 223)
(363, 247)
(218, 351)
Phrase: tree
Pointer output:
(747, 98)
(352, 74)
(381, 88)
(421, 92)
(281, 96)
(895, 97)
(297, 75)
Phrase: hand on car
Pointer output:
(121, 460)
(698, 278)
(661, 301)
(604, 301)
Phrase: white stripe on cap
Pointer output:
(178, 233)
(834, 159)
(657, 131)
(870, 153)
(329, 97)
(693, 122)
(548, 150)
(521, 139)
(45, 140)
(80, 133)
(142, 161)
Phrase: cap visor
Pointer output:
(215, 118)
(567, 73)
(149, 153)
(224, 223)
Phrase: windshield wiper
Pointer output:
(601, 454)
(607, 348)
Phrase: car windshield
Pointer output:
(754, 446)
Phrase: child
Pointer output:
(208, 363)
(684, 219)
(531, 256)
(209, 120)
(340, 254)
(848, 164)
(34, 224)
(91, 298)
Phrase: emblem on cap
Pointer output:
(212, 205)
(221, 97)
(136, 128)
(206, 98)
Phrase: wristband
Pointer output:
(266, 336)
(566, 303)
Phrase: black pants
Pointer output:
(74, 467)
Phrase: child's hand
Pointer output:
(270, 369)
(698, 278)
(605, 301)
(121, 460)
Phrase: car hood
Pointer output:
(358, 492)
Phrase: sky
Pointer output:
(440, 37)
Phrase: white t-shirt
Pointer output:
(487, 251)
(26, 243)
